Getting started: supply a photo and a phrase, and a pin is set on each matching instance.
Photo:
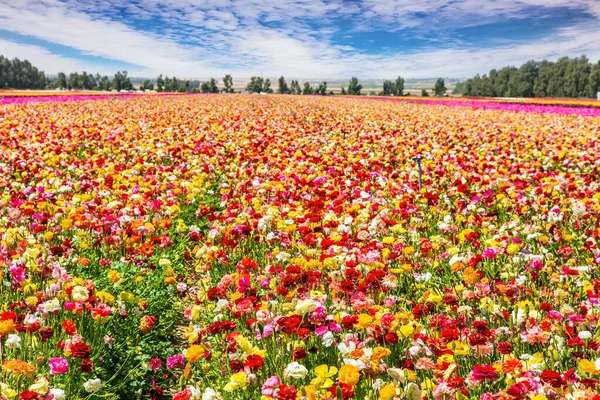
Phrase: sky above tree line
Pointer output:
(296, 38)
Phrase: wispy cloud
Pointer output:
(301, 38)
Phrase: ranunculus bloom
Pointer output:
(58, 365)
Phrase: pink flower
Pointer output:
(176, 361)
(58, 365)
(489, 253)
(270, 385)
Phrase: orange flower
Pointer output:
(147, 323)
(7, 326)
(470, 277)
(18, 367)
(512, 366)
(147, 249)
(194, 353)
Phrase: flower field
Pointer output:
(279, 247)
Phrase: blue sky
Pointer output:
(296, 38)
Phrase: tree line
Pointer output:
(567, 77)
(19, 74)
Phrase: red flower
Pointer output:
(481, 372)
(183, 395)
(285, 392)
(156, 393)
(46, 333)
(86, 365)
(505, 348)
(298, 354)
(254, 362)
(69, 327)
(552, 378)
(344, 389)
(519, 390)
(28, 395)
(80, 350)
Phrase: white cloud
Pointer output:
(274, 37)
(46, 61)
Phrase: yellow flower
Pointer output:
(364, 320)
(7, 391)
(113, 276)
(407, 330)
(106, 297)
(349, 374)
(323, 376)
(513, 248)
(169, 280)
(588, 366)
(236, 381)
(127, 296)
(459, 348)
(387, 392)
(408, 251)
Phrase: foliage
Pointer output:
(354, 87)
(255, 85)
(307, 89)
(228, 84)
(19, 74)
(440, 87)
(283, 87)
(567, 77)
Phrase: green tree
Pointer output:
(61, 81)
(121, 81)
(388, 88)
(255, 85)
(322, 89)
(228, 83)
(295, 87)
(594, 81)
(160, 83)
(147, 85)
(307, 89)
(440, 87)
(424, 93)
(267, 86)
(343, 92)
(354, 87)
(399, 86)
(283, 87)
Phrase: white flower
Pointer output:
(413, 391)
(424, 277)
(40, 386)
(92, 385)
(58, 394)
(328, 339)
(584, 335)
(210, 394)
(283, 256)
(164, 262)
(31, 319)
(13, 341)
(79, 293)
(306, 305)
(346, 349)
(221, 305)
(50, 306)
(295, 370)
